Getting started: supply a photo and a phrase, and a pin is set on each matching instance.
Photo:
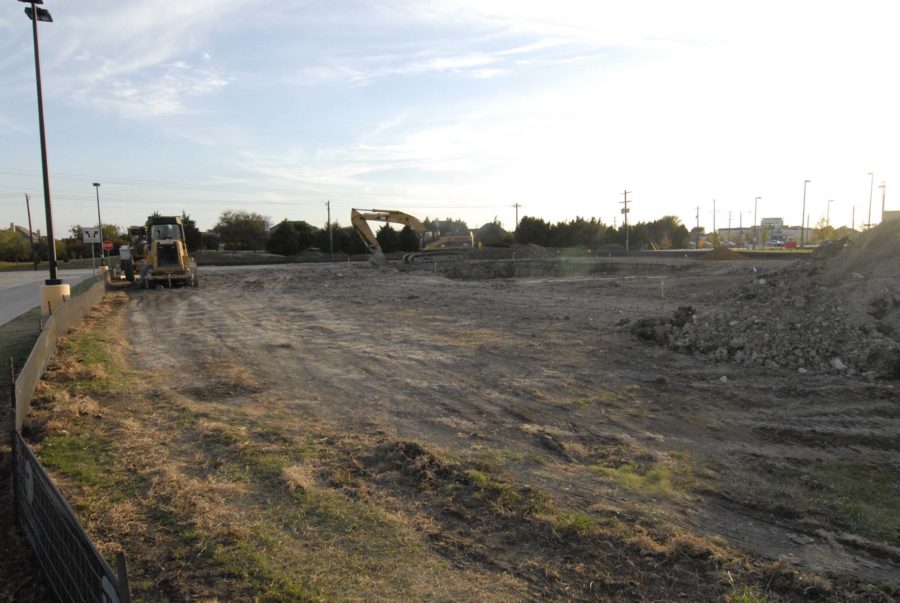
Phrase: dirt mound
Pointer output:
(839, 314)
(721, 253)
(875, 253)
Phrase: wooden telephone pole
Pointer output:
(625, 211)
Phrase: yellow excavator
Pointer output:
(434, 246)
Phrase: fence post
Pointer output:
(13, 445)
(122, 570)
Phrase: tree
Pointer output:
(533, 230)
(388, 238)
(493, 235)
(290, 238)
(13, 247)
(352, 243)
(823, 232)
(242, 230)
(192, 235)
(407, 239)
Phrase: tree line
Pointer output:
(665, 233)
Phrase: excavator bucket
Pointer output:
(377, 258)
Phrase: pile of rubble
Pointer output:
(836, 313)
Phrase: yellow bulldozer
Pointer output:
(158, 254)
(433, 246)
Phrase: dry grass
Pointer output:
(211, 502)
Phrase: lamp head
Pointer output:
(42, 13)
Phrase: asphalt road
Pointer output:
(20, 291)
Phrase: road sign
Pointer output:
(91, 235)
(107, 245)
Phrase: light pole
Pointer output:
(828, 213)
(883, 188)
(755, 227)
(100, 224)
(803, 215)
(40, 14)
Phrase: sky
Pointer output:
(453, 108)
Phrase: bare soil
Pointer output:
(497, 435)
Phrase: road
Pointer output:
(20, 291)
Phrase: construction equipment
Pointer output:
(434, 247)
(134, 253)
(158, 253)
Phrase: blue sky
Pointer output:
(452, 108)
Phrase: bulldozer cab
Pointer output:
(166, 232)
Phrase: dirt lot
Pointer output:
(345, 432)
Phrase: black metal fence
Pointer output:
(74, 568)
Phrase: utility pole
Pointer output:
(31, 232)
(755, 228)
(803, 214)
(625, 211)
(697, 230)
(853, 219)
(715, 234)
(100, 226)
(828, 213)
(883, 188)
(330, 232)
(871, 186)
(729, 224)
(516, 231)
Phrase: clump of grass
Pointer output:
(576, 523)
(654, 480)
(745, 594)
(506, 498)
(581, 402)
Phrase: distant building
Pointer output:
(23, 232)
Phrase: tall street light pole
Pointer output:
(755, 228)
(100, 224)
(883, 188)
(803, 215)
(828, 213)
(39, 14)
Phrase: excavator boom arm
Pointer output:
(360, 220)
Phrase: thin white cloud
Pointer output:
(169, 92)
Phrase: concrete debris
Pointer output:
(837, 314)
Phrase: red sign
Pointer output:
(107, 245)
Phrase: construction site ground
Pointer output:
(339, 431)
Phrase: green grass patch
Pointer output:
(745, 594)
(85, 460)
(505, 498)
(652, 480)
(576, 523)
(100, 347)
(865, 497)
